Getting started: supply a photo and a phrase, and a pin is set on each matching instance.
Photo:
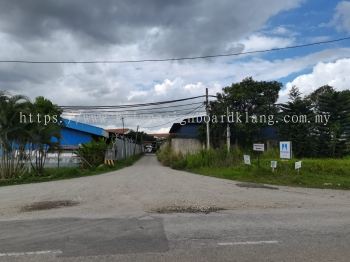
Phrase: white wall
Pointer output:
(186, 145)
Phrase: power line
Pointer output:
(130, 110)
(121, 113)
(133, 105)
(177, 119)
(178, 58)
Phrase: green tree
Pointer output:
(13, 134)
(44, 132)
(301, 133)
(333, 137)
(255, 98)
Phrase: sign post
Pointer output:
(259, 148)
(298, 166)
(246, 159)
(285, 149)
(273, 165)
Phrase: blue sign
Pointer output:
(286, 149)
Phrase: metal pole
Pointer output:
(124, 153)
(228, 133)
(207, 111)
(141, 142)
(137, 130)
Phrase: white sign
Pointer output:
(273, 164)
(246, 159)
(298, 165)
(259, 147)
(285, 149)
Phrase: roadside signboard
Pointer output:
(298, 165)
(259, 147)
(285, 149)
(246, 159)
(273, 165)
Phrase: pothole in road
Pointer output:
(45, 205)
(256, 185)
(188, 209)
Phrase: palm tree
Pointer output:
(43, 137)
(13, 134)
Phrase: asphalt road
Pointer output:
(117, 220)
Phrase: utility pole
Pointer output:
(124, 149)
(228, 133)
(141, 142)
(207, 122)
(137, 130)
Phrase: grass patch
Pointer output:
(315, 173)
(52, 174)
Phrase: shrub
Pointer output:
(92, 153)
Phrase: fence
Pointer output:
(122, 149)
(69, 159)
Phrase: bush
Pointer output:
(204, 158)
(92, 153)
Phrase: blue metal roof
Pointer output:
(94, 130)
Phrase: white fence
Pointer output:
(120, 149)
(67, 159)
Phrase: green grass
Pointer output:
(52, 174)
(315, 173)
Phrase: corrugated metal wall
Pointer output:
(122, 149)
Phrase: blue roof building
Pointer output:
(74, 133)
(189, 130)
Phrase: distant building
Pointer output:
(185, 138)
(119, 131)
(75, 133)
(160, 136)
(189, 130)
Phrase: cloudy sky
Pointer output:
(124, 30)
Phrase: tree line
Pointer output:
(310, 138)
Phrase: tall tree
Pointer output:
(248, 96)
(300, 132)
(333, 137)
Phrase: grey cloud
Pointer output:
(124, 29)
(170, 27)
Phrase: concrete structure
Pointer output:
(184, 138)
(186, 145)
